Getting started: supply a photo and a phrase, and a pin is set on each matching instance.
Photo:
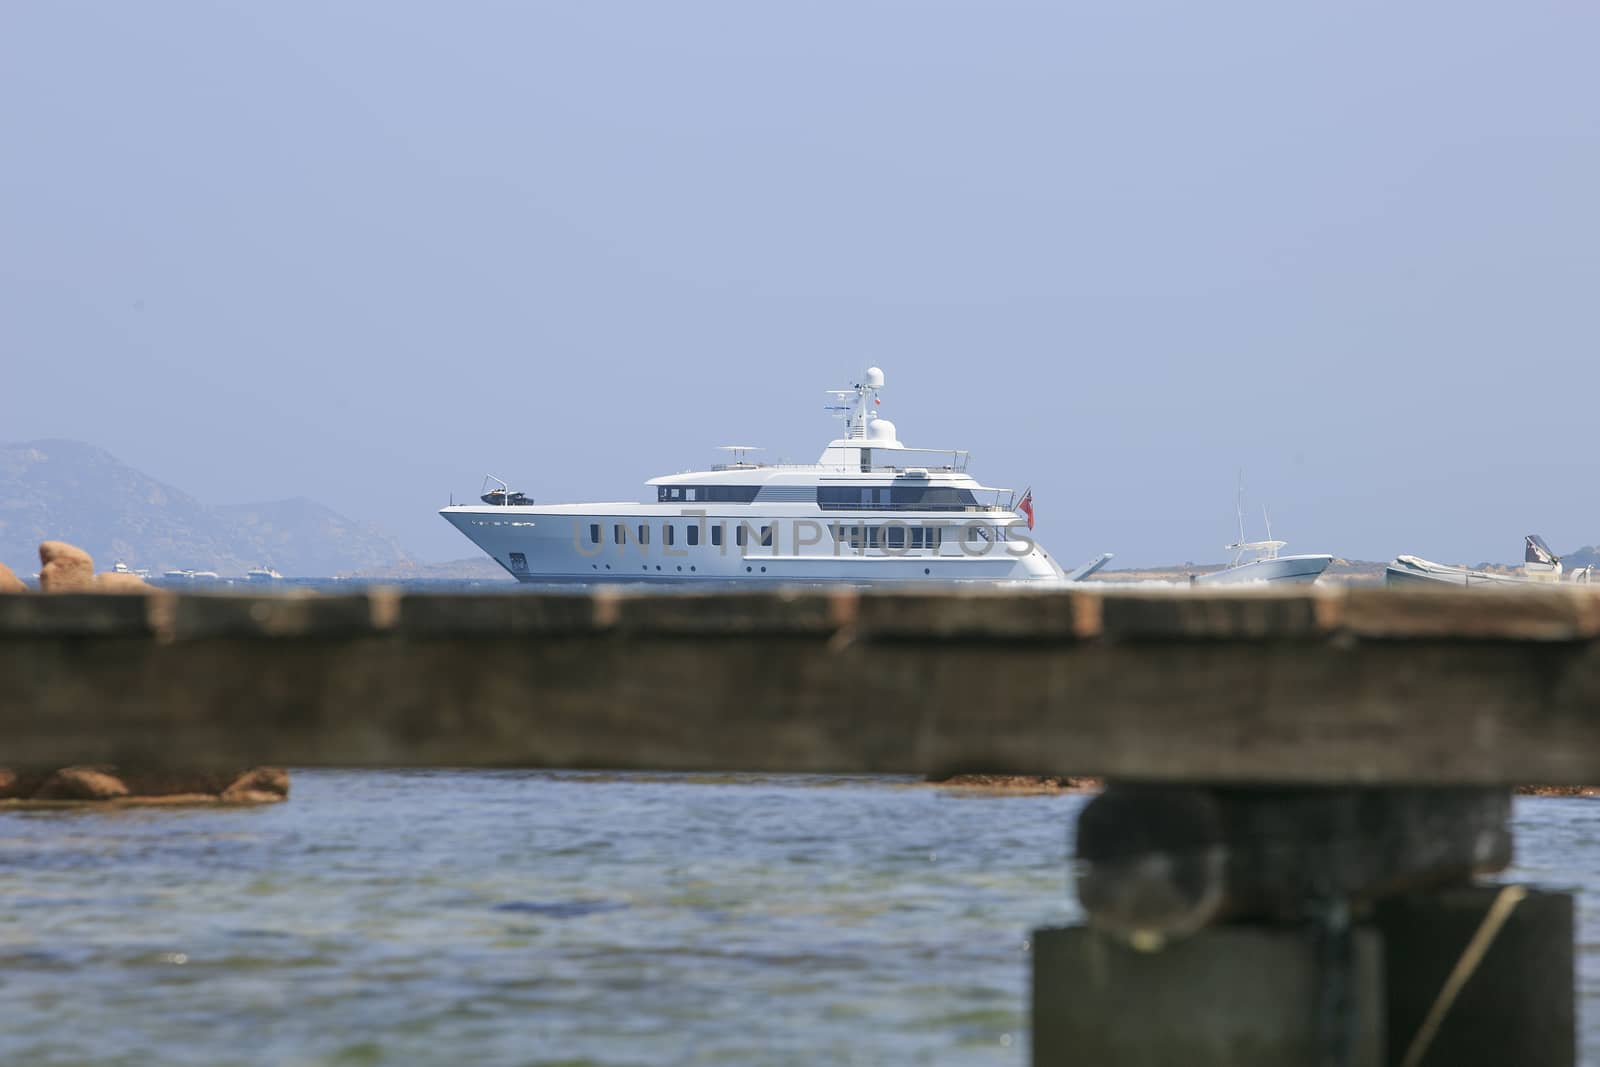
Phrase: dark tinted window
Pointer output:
(932, 497)
(899, 497)
(594, 533)
(644, 534)
(667, 534)
(722, 494)
(766, 537)
(619, 533)
(895, 536)
(694, 535)
(716, 534)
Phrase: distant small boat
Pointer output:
(120, 567)
(1264, 564)
(1540, 566)
(191, 576)
(263, 574)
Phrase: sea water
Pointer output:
(533, 918)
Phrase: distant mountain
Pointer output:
(302, 537)
(71, 491)
(1581, 557)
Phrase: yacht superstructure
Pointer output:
(870, 510)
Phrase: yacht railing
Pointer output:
(957, 464)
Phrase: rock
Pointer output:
(114, 582)
(9, 582)
(259, 785)
(81, 783)
(20, 785)
(67, 568)
(170, 782)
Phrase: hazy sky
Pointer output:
(365, 252)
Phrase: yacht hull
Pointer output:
(559, 546)
(1280, 570)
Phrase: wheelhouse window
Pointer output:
(896, 498)
(719, 494)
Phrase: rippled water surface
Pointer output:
(509, 918)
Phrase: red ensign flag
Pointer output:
(1026, 507)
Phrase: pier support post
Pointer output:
(1229, 996)
(1324, 927)
(1515, 1006)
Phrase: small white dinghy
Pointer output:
(1540, 566)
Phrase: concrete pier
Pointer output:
(1304, 786)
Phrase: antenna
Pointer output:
(1238, 503)
(1268, 520)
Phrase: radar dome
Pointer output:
(881, 430)
(874, 378)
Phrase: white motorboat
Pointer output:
(1258, 561)
(1540, 566)
(263, 574)
(870, 510)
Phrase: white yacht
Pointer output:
(870, 510)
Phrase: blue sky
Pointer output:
(365, 252)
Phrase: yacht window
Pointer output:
(916, 537)
(666, 533)
(894, 536)
(856, 537)
(726, 494)
(619, 533)
(766, 537)
(594, 533)
(716, 534)
(644, 534)
(739, 534)
(874, 536)
(694, 534)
